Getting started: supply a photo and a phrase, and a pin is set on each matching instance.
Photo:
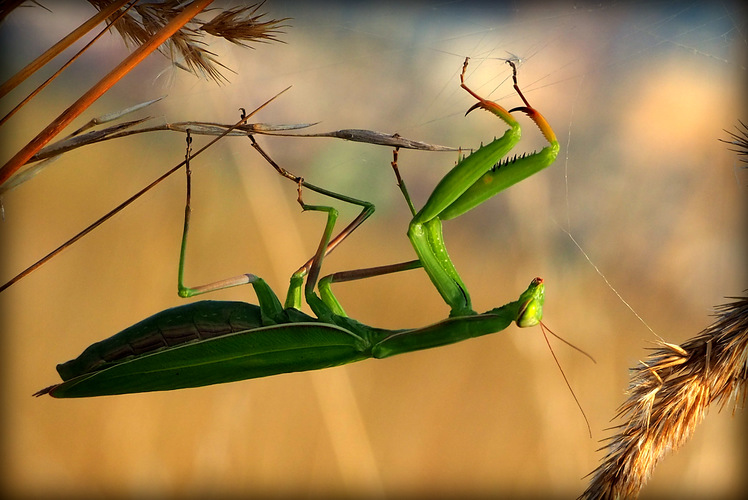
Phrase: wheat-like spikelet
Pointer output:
(739, 140)
(239, 25)
(669, 395)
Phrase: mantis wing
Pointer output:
(236, 356)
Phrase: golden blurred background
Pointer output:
(638, 95)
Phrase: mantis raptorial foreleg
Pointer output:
(471, 182)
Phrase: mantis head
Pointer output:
(530, 313)
(531, 304)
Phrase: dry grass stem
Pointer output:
(51, 152)
(56, 73)
(58, 124)
(668, 395)
(79, 139)
(169, 26)
(57, 48)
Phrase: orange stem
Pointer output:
(62, 68)
(51, 53)
(100, 88)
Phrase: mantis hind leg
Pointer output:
(270, 307)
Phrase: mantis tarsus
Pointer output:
(212, 342)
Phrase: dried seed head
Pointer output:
(186, 48)
(668, 396)
(241, 25)
(739, 139)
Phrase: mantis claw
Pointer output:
(534, 115)
(476, 106)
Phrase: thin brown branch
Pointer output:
(200, 128)
(125, 129)
(211, 128)
(372, 137)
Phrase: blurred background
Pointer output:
(638, 94)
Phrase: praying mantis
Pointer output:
(211, 342)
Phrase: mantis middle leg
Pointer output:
(271, 308)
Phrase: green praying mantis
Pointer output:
(211, 342)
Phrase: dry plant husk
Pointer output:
(186, 48)
(739, 139)
(669, 394)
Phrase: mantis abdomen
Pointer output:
(178, 325)
(207, 342)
